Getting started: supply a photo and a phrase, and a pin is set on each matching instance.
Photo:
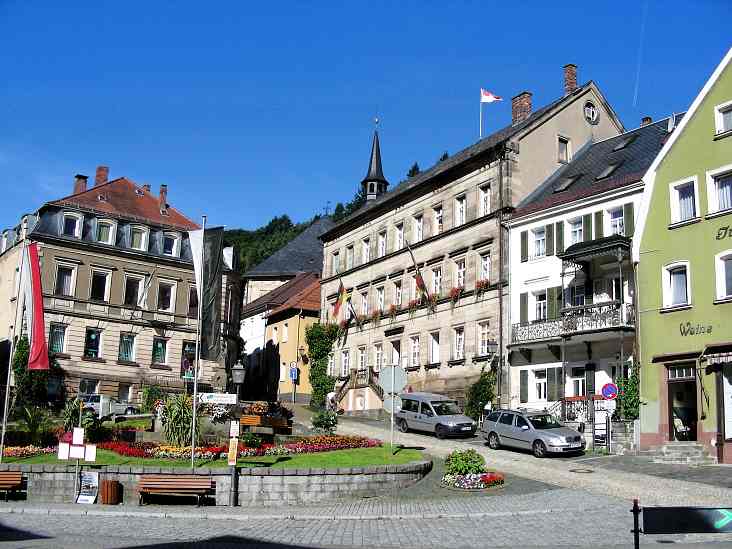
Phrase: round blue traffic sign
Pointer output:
(610, 391)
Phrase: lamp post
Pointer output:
(238, 372)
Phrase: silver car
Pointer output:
(539, 432)
(433, 413)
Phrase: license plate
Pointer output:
(466, 428)
(575, 445)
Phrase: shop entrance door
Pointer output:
(682, 402)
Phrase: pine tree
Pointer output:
(444, 157)
(414, 170)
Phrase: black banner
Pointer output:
(213, 258)
(687, 520)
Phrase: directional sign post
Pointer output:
(392, 379)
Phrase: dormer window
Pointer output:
(138, 238)
(106, 231)
(171, 244)
(71, 225)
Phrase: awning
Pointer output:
(598, 247)
(676, 357)
(718, 353)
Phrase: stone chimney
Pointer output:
(520, 107)
(570, 78)
(646, 120)
(79, 183)
(146, 186)
(163, 200)
(101, 176)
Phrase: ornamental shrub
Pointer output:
(325, 422)
(320, 339)
(628, 401)
(177, 420)
(31, 386)
(464, 462)
(480, 393)
(251, 440)
(150, 395)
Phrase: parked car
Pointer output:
(106, 406)
(433, 413)
(539, 432)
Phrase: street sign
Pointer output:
(392, 403)
(217, 398)
(89, 487)
(393, 378)
(687, 520)
(610, 391)
(234, 428)
(293, 373)
(233, 451)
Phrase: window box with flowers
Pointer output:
(481, 286)
(432, 301)
(413, 306)
(393, 310)
(376, 316)
(455, 294)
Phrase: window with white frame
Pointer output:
(435, 347)
(192, 301)
(366, 250)
(437, 215)
(134, 286)
(65, 280)
(563, 152)
(418, 228)
(681, 371)
(575, 231)
(398, 293)
(578, 381)
(484, 197)
(719, 189)
(336, 263)
(413, 287)
(57, 338)
(362, 358)
(396, 352)
(99, 285)
(616, 221)
(345, 363)
(723, 117)
(539, 242)
(540, 308)
(166, 296)
(483, 338)
(331, 364)
(106, 231)
(460, 207)
(676, 287)
(380, 298)
(349, 257)
(93, 343)
(71, 224)
(684, 198)
(138, 238)
(364, 303)
(399, 236)
(540, 384)
(460, 273)
(458, 343)
(160, 350)
(577, 295)
(723, 270)
(171, 244)
(126, 347)
(485, 267)
(437, 280)
(88, 386)
(414, 354)
(382, 244)
(378, 356)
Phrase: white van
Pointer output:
(106, 406)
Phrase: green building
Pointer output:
(683, 260)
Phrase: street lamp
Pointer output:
(238, 372)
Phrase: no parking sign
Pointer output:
(610, 391)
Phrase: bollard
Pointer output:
(636, 523)
(234, 488)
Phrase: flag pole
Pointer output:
(480, 125)
(198, 350)
(12, 347)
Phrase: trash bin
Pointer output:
(110, 492)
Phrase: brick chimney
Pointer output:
(163, 200)
(520, 107)
(570, 78)
(646, 120)
(146, 186)
(101, 176)
(79, 183)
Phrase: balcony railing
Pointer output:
(600, 316)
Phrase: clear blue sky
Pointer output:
(253, 109)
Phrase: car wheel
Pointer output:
(539, 449)
(493, 441)
(440, 432)
(402, 425)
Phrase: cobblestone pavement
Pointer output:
(575, 473)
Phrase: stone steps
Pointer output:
(684, 453)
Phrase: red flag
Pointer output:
(38, 356)
(339, 300)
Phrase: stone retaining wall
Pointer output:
(261, 485)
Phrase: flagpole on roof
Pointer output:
(12, 343)
(198, 348)
(480, 123)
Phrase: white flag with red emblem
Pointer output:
(488, 97)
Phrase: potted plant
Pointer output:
(413, 306)
(393, 310)
(481, 286)
(376, 315)
(455, 294)
(432, 301)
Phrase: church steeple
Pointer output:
(375, 184)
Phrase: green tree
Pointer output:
(444, 157)
(628, 401)
(480, 393)
(320, 339)
(31, 386)
(414, 170)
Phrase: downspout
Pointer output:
(297, 353)
(501, 326)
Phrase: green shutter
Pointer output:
(524, 315)
(549, 239)
(587, 227)
(598, 224)
(560, 236)
(524, 246)
(524, 386)
(590, 379)
(628, 220)
(552, 383)
(554, 302)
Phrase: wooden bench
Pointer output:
(176, 485)
(10, 481)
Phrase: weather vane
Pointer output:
(376, 122)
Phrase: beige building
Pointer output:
(119, 291)
(450, 215)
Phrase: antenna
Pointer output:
(327, 207)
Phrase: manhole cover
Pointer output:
(581, 470)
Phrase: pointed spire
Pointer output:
(375, 174)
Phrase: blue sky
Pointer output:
(249, 110)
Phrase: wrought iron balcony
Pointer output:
(586, 318)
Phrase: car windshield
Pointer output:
(546, 421)
(446, 407)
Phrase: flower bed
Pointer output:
(27, 451)
(473, 481)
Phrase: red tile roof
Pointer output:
(282, 294)
(307, 299)
(123, 198)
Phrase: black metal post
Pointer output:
(234, 489)
(636, 524)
